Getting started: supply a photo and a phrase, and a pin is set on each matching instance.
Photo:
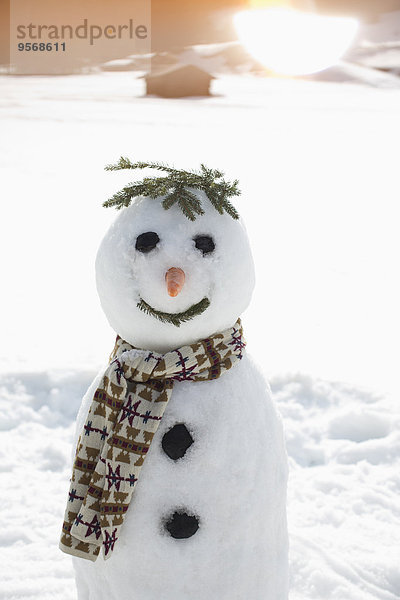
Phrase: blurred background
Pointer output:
(175, 24)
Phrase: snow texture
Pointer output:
(343, 505)
(318, 164)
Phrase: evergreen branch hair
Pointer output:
(175, 188)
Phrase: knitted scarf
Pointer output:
(123, 417)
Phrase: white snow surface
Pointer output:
(385, 29)
(318, 165)
(343, 500)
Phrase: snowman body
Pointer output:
(232, 477)
(218, 458)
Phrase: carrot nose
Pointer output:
(175, 278)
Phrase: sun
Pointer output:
(292, 42)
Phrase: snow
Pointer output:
(124, 276)
(378, 44)
(249, 517)
(318, 165)
(385, 30)
(379, 57)
(359, 73)
(238, 495)
(343, 506)
(119, 64)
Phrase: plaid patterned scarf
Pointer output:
(124, 415)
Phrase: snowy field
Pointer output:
(318, 165)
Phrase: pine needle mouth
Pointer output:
(175, 318)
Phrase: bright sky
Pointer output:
(291, 42)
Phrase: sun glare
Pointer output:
(294, 43)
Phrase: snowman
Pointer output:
(178, 489)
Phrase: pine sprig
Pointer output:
(175, 318)
(176, 188)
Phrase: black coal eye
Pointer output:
(205, 243)
(146, 241)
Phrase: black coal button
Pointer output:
(176, 441)
(181, 525)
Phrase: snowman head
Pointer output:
(165, 280)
